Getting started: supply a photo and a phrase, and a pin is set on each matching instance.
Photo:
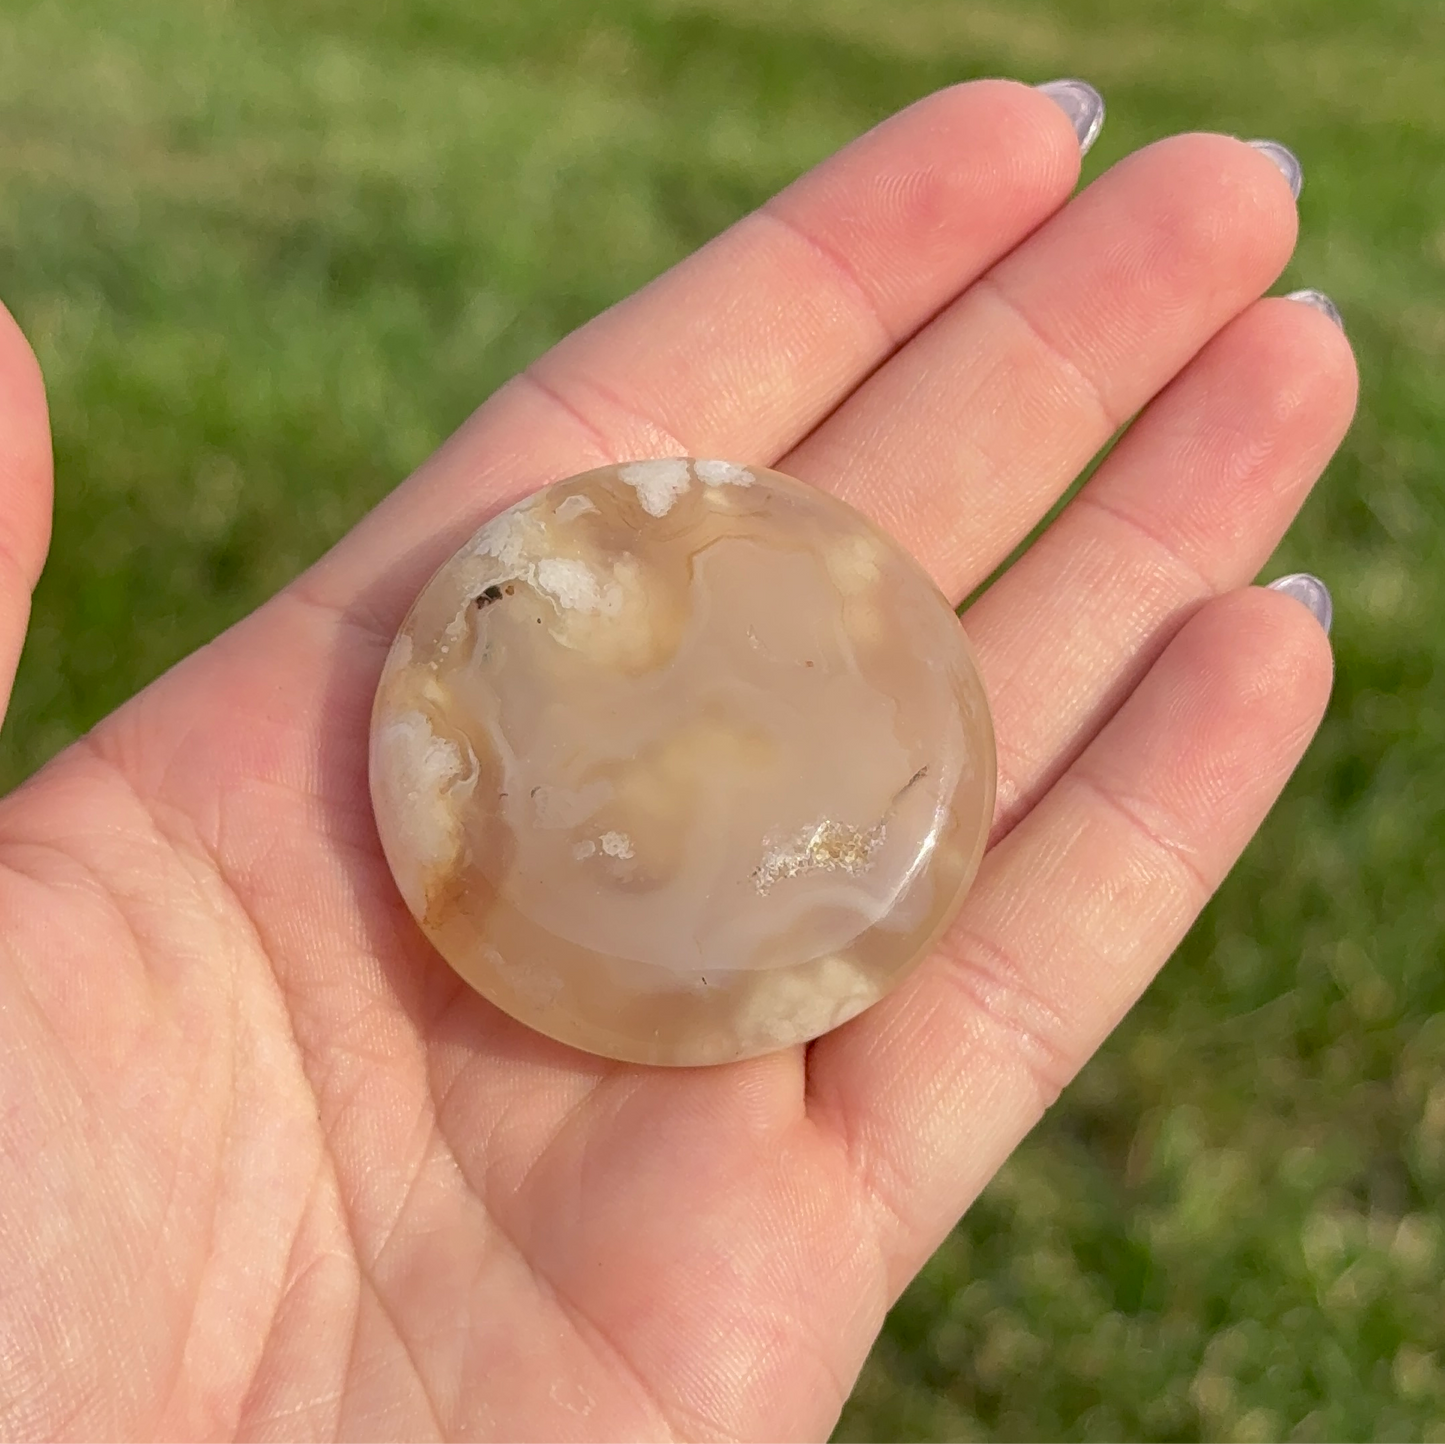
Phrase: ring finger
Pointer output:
(1187, 506)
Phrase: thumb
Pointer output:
(25, 492)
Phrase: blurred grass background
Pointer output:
(271, 253)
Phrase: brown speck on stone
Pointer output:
(911, 784)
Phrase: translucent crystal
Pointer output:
(681, 761)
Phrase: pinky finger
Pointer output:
(1071, 916)
(25, 492)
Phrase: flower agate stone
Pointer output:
(681, 762)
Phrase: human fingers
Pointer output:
(965, 438)
(746, 345)
(1070, 917)
(25, 492)
(1188, 505)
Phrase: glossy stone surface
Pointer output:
(680, 762)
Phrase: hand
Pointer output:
(269, 1168)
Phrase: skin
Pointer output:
(271, 1170)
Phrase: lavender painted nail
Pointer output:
(1287, 162)
(1320, 302)
(1082, 104)
(1311, 592)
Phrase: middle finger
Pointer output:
(967, 436)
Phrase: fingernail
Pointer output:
(1320, 302)
(1311, 592)
(1082, 104)
(1286, 160)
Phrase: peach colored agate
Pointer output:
(680, 762)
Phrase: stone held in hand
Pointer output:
(681, 761)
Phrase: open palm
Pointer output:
(269, 1169)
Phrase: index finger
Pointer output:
(744, 347)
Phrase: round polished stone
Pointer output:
(681, 761)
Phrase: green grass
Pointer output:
(271, 253)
